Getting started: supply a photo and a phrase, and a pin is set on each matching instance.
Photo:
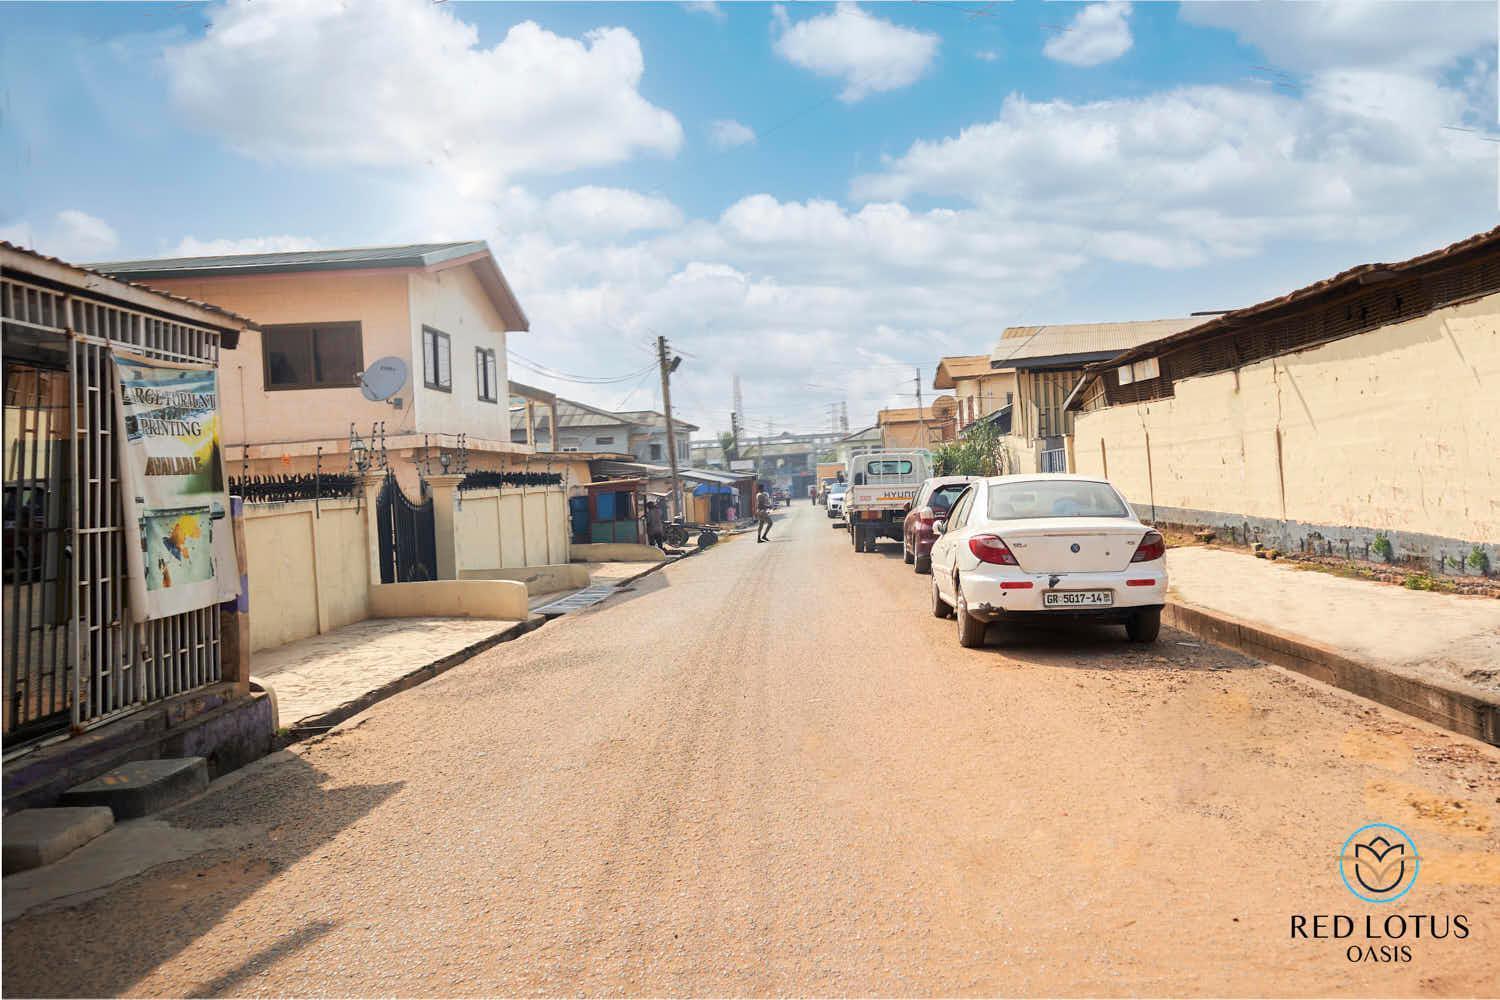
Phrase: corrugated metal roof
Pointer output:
(571, 413)
(941, 409)
(1361, 274)
(1059, 343)
(99, 283)
(353, 258)
(959, 366)
(654, 418)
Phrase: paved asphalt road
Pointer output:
(768, 770)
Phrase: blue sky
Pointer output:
(906, 180)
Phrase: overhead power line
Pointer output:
(541, 369)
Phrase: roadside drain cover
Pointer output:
(578, 600)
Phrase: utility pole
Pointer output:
(667, 368)
(921, 417)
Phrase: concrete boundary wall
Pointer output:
(538, 579)
(503, 600)
(308, 569)
(511, 528)
(1389, 431)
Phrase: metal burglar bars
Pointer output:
(107, 664)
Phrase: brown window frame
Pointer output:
(430, 377)
(309, 329)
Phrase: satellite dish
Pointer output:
(383, 379)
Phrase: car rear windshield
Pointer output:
(1065, 498)
(943, 497)
(889, 467)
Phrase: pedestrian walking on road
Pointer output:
(763, 515)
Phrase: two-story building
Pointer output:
(648, 439)
(585, 428)
(1047, 364)
(981, 392)
(924, 427)
(427, 322)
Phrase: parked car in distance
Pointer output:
(1019, 548)
(933, 502)
(780, 497)
(836, 494)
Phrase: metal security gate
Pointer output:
(408, 536)
(77, 659)
(38, 671)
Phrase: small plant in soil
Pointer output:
(1382, 547)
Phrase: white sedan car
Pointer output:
(836, 497)
(1015, 548)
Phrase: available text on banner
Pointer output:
(178, 540)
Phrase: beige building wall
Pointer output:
(1391, 430)
(982, 395)
(309, 571)
(453, 301)
(377, 300)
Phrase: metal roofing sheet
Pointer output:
(352, 258)
(1019, 343)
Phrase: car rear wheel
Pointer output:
(922, 564)
(970, 629)
(1144, 625)
(940, 607)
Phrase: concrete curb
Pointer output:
(317, 725)
(1463, 712)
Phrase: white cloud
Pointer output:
(712, 8)
(601, 211)
(987, 55)
(1392, 34)
(191, 246)
(1197, 173)
(70, 235)
(1099, 33)
(726, 133)
(871, 55)
(405, 83)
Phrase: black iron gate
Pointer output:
(408, 538)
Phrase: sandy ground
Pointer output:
(767, 770)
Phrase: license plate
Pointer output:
(1078, 599)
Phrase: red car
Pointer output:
(932, 503)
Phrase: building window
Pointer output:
(655, 451)
(312, 355)
(604, 440)
(437, 354)
(486, 374)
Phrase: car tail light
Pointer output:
(925, 516)
(1152, 546)
(992, 549)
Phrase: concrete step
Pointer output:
(141, 787)
(36, 837)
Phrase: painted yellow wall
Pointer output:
(988, 391)
(512, 528)
(504, 600)
(454, 302)
(1389, 430)
(308, 572)
(378, 301)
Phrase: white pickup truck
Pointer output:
(882, 486)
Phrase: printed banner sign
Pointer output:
(179, 542)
